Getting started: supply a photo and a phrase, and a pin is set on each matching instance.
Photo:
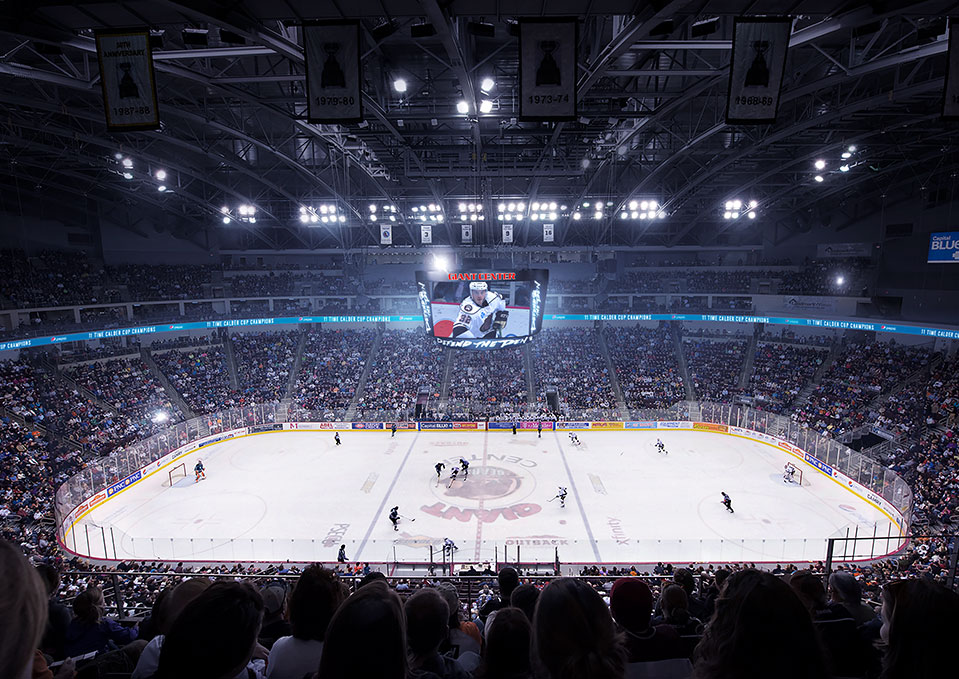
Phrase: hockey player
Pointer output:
(728, 503)
(574, 439)
(789, 473)
(514, 429)
(395, 516)
(341, 555)
(449, 546)
(539, 430)
(482, 315)
(393, 430)
(453, 474)
(465, 466)
(561, 494)
(337, 437)
(198, 470)
(661, 447)
(439, 467)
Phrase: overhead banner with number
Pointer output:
(467, 233)
(332, 50)
(756, 71)
(547, 69)
(950, 104)
(547, 233)
(386, 235)
(127, 80)
(426, 234)
(507, 233)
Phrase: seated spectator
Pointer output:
(275, 624)
(675, 606)
(366, 637)
(845, 590)
(506, 655)
(89, 631)
(574, 635)
(23, 613)
(214, 637)
(524, 598)
(166, 613)
(508, 580)
(758, 628)
(920, 624)
(427, 620)
(464, 636)
(58, 615)
(631, 604)
(314, 600)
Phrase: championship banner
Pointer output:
(950, 103)
(426, 234)
(332, 50)
(467, 233)
(547, 233)
(127, 80)
(756, 71)
(507, 233)
(547, 69)
(386, 235)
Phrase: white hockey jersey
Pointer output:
(478, 320)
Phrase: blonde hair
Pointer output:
(23, 612)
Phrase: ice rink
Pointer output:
(297, 496)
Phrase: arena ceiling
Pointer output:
(650, 118)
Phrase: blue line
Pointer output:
(396, 477)
(582, 512)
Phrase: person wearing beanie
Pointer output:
(631, 604)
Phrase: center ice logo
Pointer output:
(486, 483)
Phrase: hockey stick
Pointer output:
(553, 498)
(406, 518)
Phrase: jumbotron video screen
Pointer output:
(483, 309)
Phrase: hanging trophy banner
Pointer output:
(507, 233)
(547, 69)
(426, 234)
(547, 233)
(950, 104)
(467, 233)
(386, 235)
(332, 50)
(756, 71)
(127, 80)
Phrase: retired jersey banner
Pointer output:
(507, 233)
(950, 104)
(756, 70)
(386, 235)
(127, 80)
(547, 69)
(426, 234)
(332, 50)
(467, 233)
(547, 233)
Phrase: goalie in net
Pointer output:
(482, 315)
(791, 474)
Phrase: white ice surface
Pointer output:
(297, 496)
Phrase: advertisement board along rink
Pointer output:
(297, 496)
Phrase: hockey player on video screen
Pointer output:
(482, 315)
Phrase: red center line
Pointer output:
(479, 517)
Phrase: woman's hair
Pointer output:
(846, 586)
(214, 635)
(921, 622)
(574, 634)
(366, 637)
(315, 598)
(673, 600)
(756, 627)
(23, 612)
(508, 640)
(88, 605)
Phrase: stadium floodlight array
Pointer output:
(386, 211)
(735, 208)
(427, 212)
(243, 213)
(511, 210)
(471, 211)
(642, 210)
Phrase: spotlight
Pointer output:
(127, 162)
(160, 416)
(552, 205)
(751, 214)
(653, 205)
(729, 206)
(753, 203)
(342, 218)
(486, 106)
(225, 210)
(644, 205)
(642, 215)
(314, 219)
(501, 207)
(399, 85)
(128, 175)
(304, 218)
(846, 155)
(818, 178)
(737, 204)
(852, 149)
(118, 156)
(844, 168)
(577, 216)
(226, 220)
(521, 206)
(440, 263)
(598, 215)
(462, 106)
(634, 214)
(534, 206)
(487, 85)
(252, 220)
(372, 207)
(820, 164)
(734, 215)
(623, 215)
(662, 214)
(372, 218)
(161, 175)
(512, 207)
(840, 280)
(552, 215)
(439, 218)
(161, 188)
(727, 214)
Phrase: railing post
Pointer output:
(829, 551)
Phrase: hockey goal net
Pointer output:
(176, 473)
(797, 477)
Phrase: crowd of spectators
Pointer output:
(146, 282)
(645, 364)
(200, 376)
(572, 361)
(488, 385)
(780, 372)
(330, 369)
(406, 361)
(263, 364)
(714, 367)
